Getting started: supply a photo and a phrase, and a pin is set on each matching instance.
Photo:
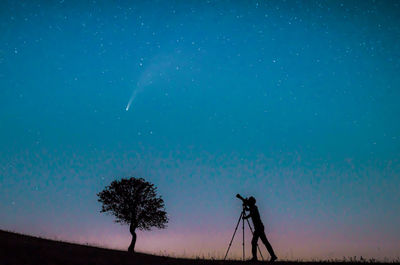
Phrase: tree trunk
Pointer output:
(132, 229)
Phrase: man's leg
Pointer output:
(256, 235)
(268, 246)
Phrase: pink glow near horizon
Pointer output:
(208, 243)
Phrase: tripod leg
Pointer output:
(230, 243)
(243, 236)
(251, 229)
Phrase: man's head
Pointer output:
(251, 201)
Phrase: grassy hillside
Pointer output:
(21, 249)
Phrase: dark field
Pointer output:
(21, 249)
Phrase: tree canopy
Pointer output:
(134, 201)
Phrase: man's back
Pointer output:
(255, 217)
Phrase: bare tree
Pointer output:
(134, 201)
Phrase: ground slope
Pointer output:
(23, 250)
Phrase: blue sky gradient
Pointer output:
(293, 102)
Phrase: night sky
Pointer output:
(293, 102)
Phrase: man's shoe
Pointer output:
(254, 259)
(273, 259)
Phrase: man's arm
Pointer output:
(247, 217)
(246, 208)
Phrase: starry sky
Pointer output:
(293, 102)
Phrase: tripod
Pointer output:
(242, 214)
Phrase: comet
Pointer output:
(133, 96)
(158, 69)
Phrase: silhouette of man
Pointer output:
(250, 205)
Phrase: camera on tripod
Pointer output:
(244, 200)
